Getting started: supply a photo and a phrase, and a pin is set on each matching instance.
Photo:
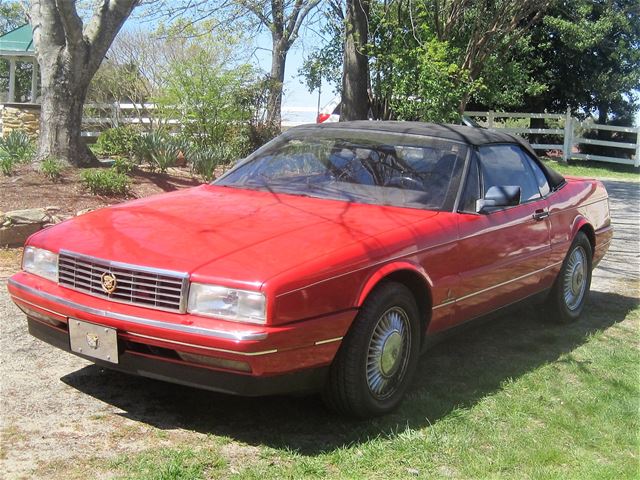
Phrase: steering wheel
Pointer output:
(409, 183)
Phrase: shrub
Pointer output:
(51, 168)
(209, 96)
(158, 149)
(18, 146)
(117, 141)
(122, 165)
(204, 161)
(260, 133)
(105, 182)
(6, 163)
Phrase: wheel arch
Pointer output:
(581, 224)
(410, 275)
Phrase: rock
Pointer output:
(83, 211)
(15, 235)
(52, 209)
(28, 216)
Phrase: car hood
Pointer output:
(239, 237)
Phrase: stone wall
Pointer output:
(21, 116)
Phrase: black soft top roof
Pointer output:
(459, 133)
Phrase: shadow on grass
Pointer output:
(455, 374)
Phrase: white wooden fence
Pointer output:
(98, 117)
(571, 133)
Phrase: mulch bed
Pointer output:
(27, 188)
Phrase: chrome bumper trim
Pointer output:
(208, 332)
(202, 347)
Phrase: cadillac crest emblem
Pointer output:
(92, 340)
(109, 282)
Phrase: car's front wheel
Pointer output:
(377, 357)
(571, 288)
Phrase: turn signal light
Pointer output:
(215, 362)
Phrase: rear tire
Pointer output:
(378, 356)
(571, 289)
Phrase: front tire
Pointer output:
(378, 356)
(571, 288)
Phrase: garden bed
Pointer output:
(27, 188)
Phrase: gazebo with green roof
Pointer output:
(17, 45)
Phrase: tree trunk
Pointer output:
(355, 76)
(63, 96)
(274, 100)
(69, 53)
(462, 106)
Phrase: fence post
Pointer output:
(636, 161)
(567, 145)
(115, 114)
(490, 119)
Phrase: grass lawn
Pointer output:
(513, 398)
(586, 168)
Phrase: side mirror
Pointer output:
(496, 197)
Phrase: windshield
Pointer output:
(357, 166)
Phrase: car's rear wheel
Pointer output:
(378, 356)
(571, 288)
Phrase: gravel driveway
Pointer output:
(56, 408)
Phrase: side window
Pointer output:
(503, 165)
(471, 188)
(543, 184)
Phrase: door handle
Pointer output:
(541, 214)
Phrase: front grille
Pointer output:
(147, 287)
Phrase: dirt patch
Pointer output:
(10, 259)
(27, 188)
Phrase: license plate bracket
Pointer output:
(92, 340)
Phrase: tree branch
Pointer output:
(104, 26)
(71, 22)
(257, 11)
(301, 15)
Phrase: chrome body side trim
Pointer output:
(328, 340)
(603, 244)
(484, 290)
(208, 332)
(444, 304)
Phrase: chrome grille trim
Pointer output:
(148, 287)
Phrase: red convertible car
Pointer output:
(327, 260)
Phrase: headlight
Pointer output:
(40, 262)
(227, 303)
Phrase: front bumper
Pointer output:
(277, 359)
(307, 380)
